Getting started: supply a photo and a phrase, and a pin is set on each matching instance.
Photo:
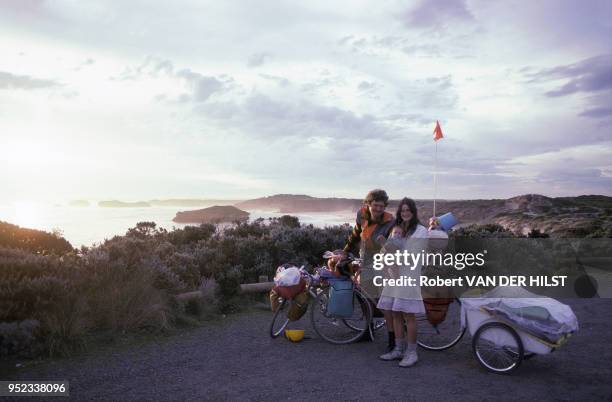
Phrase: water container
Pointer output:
(447, 221)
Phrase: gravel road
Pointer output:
(235, 359)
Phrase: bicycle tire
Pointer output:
(444, 335)
(279, 318)
(329, 327)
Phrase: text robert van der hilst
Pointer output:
(458, 261)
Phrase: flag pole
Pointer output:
(435, 178)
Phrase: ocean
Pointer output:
(86, 226)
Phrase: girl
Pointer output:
(401, 303)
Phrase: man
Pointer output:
(372, 227)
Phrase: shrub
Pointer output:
(128, 283)
(35, 241)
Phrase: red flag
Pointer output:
(437, 133)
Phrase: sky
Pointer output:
(210, 99)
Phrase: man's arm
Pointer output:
(355, 236)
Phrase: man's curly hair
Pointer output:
(376, 195)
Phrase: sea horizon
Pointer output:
(90, 225)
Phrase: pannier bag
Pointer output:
(340, 298)
(289, 292)
(299, 306)
(436, 309)
(288, 282)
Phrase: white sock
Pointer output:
(410, 347)
(400, 344)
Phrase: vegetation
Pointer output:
(51, 302)
(53, 297)
(35, 241)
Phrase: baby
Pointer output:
(394, 243)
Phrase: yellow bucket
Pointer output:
(294, 335)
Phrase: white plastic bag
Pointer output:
(288, 277)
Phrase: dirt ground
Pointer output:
(235, 359)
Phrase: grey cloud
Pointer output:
(444, 82)
(262, 116)
(366, 86)
(408, 118)
(597, 112)
(589, 75)
(426, 50)
(201, 87)
(257, 59)
(281, 81)
(432, 92)
(151, 67)
(581, 180)
(13, 81)
(314, 86)
(437, 14)
(592, 76)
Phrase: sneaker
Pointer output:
(395, 354)
(410, 358)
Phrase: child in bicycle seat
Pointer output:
(338, 263)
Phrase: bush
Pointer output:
(20, 339)
(35, 241)
(228, 290)
(128, 283)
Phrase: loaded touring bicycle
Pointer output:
(507, 324)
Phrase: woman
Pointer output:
(401, 303)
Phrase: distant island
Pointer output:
(214, 214)
(289, 203)
(173, 202)
(557, 216)
(561, 216)
(122, 204)
(187, 202)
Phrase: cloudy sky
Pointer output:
(145, 99)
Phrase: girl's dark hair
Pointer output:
(407, 227)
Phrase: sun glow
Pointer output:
(27, 215)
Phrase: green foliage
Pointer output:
(128, 283)
(482, 231)
(228, 290)
(35, 241)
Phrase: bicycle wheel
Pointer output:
(498, 348)
(377, 322)
(279, 320)
(340, 330)
(443, 335)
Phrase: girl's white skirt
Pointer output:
(399, 304)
